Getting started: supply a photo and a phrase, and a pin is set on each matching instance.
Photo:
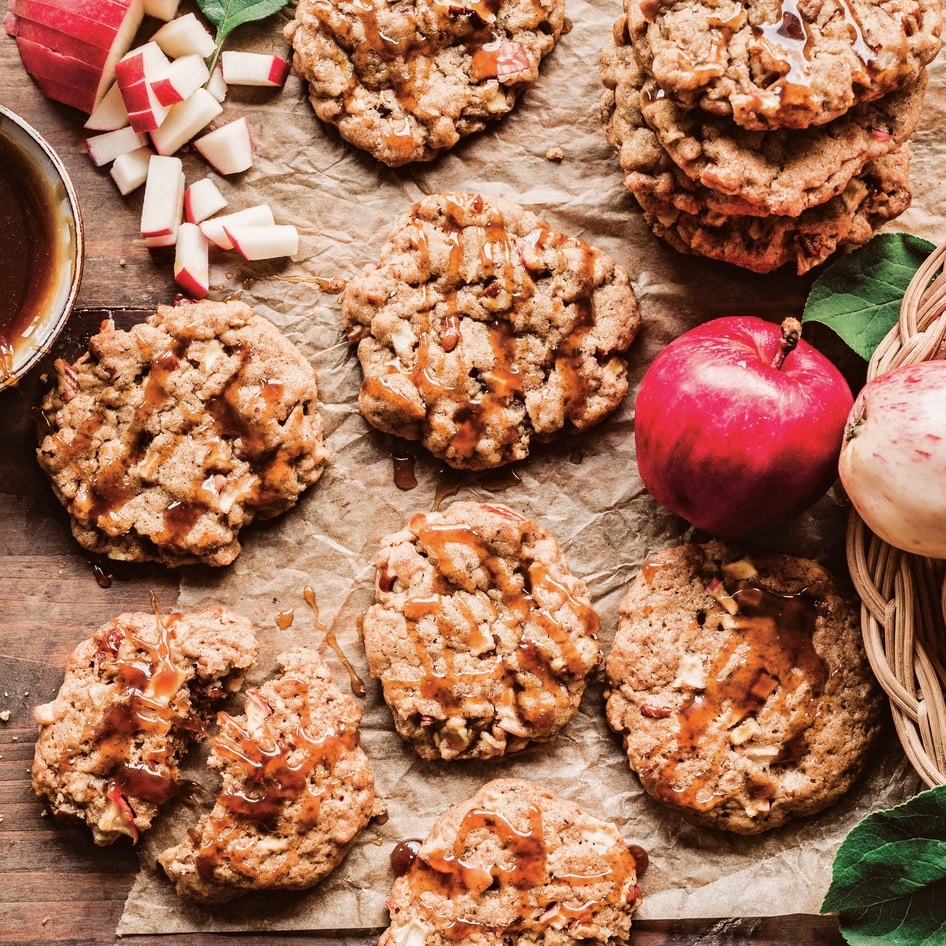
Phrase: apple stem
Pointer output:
(791, 333)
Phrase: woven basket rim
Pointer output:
(902, 594)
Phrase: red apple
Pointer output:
(893, 462)
(739, 424)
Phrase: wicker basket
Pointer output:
(901, 594)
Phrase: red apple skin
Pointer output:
(731, 443)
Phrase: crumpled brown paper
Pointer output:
(584, 490)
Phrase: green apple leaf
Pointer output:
(859, 295)
(888, 880)
(227, 15)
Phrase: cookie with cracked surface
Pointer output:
(878, 194)
(297, 789)
(705, 158)
(406, 81)
(162, 442)
(516, 863)
(768, 64)
(482, 329)
(135, 696)
(740, 686)
(482, 638)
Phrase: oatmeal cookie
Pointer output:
(481, 637)
(297, 789)
(481, 329)
(702, 157)
(406, 81)
(516, 863)
(879, 193)
(163, 441)
(135, 696)
(768, 64)
(740, 686)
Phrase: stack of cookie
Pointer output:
(765, 132)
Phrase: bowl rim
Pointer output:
(42, 345)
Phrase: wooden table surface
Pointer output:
(55, 885)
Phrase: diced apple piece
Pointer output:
(184, 120)
(163, 203)
(242, 68)
(180, 79)
(161, 9)
(129, 171)
(217, 86)
(107, 146)
(191, 261)
(140, 64)
(259, 215)
(158, 242)
(71, 48)
(110, 114)
(202, 200)
(229, 148)
(270, 242)
(184, 35)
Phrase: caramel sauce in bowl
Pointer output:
(41, 247)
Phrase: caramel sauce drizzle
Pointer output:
(524, 600)
(277, 772)
(358, 687)
(771, 660)
(453, 873)
(148, 688)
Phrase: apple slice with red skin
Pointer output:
(738, 425)
(259, 69)
(267, 242)
(229, 148)
(106, 147)
(184, 120)
(202, 199)
(215, 229)
(181, 78)
(192, 261)
(163, 203)
(71, 47)
(110, 114)
(129, 171)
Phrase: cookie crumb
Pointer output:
(555, 154)
(5, 716)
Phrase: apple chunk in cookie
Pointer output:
(740, 686)
(481, 637)
(481, 329)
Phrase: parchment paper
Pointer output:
(585, 490)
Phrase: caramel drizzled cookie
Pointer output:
(516, 863)
(733, 171)
(135, 696)
(297, 789)
(163, 441)
(481, 637)
(740, 686)
(482, 329)
(768, 64)
(879, 193)
(406, 81)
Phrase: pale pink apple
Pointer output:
(110, 113)
(184, 35)
(106, 147)
(180, 79)
(184, 120)
(161, 9)
(893, 461)
(129, 171)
